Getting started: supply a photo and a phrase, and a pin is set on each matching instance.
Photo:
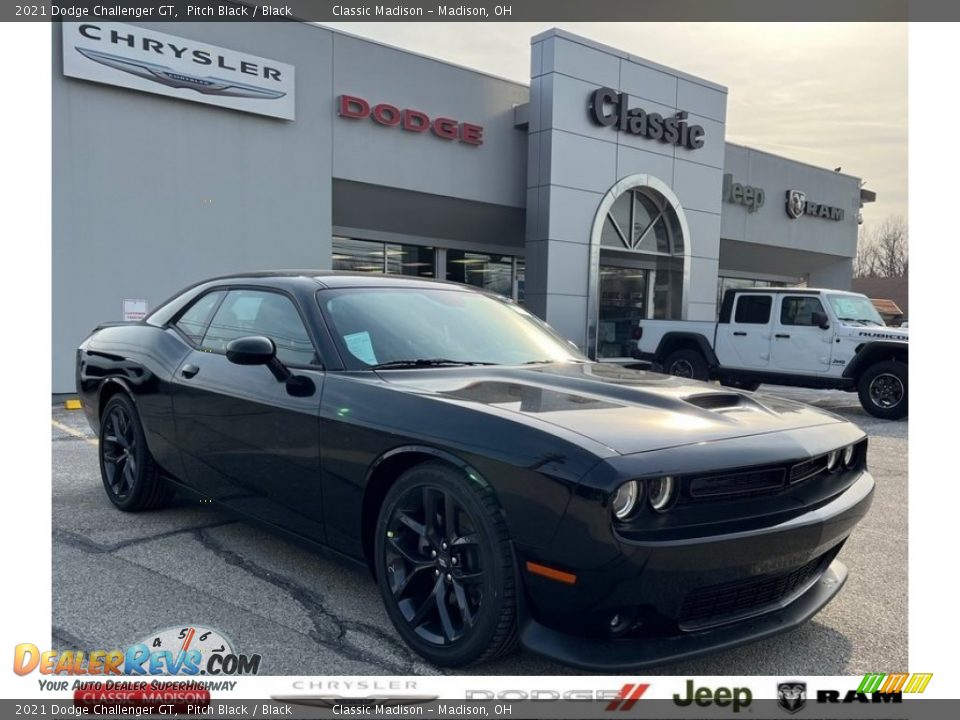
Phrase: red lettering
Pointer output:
(445, 128)
(353, 107)
(471, 134)
(415, 121)
(386, 114)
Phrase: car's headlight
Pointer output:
(833, 460)
(661, 492)
(849, 456)
(625, 499)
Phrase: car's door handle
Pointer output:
(188, 371)
(740, 334)
(780, 335)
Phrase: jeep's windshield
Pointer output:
(415, 327)
(855, 309)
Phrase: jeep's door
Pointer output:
(800, 343)
(744, 341)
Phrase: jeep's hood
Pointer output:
(626, 410)
(879, 333)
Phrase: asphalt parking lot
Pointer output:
(118, 577)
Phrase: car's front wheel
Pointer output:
(445, 566)
(883, 390)
(132, 479)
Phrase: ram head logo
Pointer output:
(796, 202)
(792, 696)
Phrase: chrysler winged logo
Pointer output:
(796, 201)
(792, 696)
(176, 79)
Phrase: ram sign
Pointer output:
(143, 59)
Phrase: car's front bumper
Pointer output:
(613, 654)
(686, 597)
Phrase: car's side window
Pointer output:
(753, 309)
(194, 321)
(258, 312)
(799, 311)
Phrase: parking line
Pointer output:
(76, 433)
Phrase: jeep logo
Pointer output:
(750, 197)
(734, 698)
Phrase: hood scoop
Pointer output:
(719, 401)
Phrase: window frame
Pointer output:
(741, 297)
(226, 289)
(783, 305)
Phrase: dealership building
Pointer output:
(600, 193)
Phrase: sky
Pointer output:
(832, 95)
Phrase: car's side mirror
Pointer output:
(820, 320)
(254, 350)
(260, 350)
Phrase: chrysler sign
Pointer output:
(142, 59)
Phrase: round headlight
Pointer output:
(625, 500)
(833, 460)
(661, 492)
(849, 456)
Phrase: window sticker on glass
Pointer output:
(361, 347)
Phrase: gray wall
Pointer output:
(151, 193)
(572, 163)
(370, 153)
(826, 246)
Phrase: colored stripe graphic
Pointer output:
(627, 697)
(894, 683)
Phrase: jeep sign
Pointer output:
(750, 197)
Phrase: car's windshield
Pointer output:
(854, 309)
(377, 326)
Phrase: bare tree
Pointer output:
(883, 251)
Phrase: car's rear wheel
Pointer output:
(686, 363)
(445, 566)
(883, 390)
(132, 479)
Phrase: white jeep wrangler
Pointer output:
(788, 336)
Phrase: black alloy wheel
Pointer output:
(686, 363)
(445, 566)
(883, 390)
(131, 478)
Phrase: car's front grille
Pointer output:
(739, 483)
(727, 602)
(808, 469)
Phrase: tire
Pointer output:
(883, 390)
(450, 590)
(748, 385)
(686, 363)
(130, 475)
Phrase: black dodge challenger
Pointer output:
(500, 487)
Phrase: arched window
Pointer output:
(639, 241)
(643, 220)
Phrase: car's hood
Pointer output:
(626, 410)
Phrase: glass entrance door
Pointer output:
(623, 303)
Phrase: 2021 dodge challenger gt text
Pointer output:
(500, 487)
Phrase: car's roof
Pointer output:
(342, 279)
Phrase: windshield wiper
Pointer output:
(425, 362)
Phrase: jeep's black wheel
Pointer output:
(686, 364)
(445, 566)
(883, 390)
(130, 476)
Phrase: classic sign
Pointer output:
(612, 109)
(154, 62)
